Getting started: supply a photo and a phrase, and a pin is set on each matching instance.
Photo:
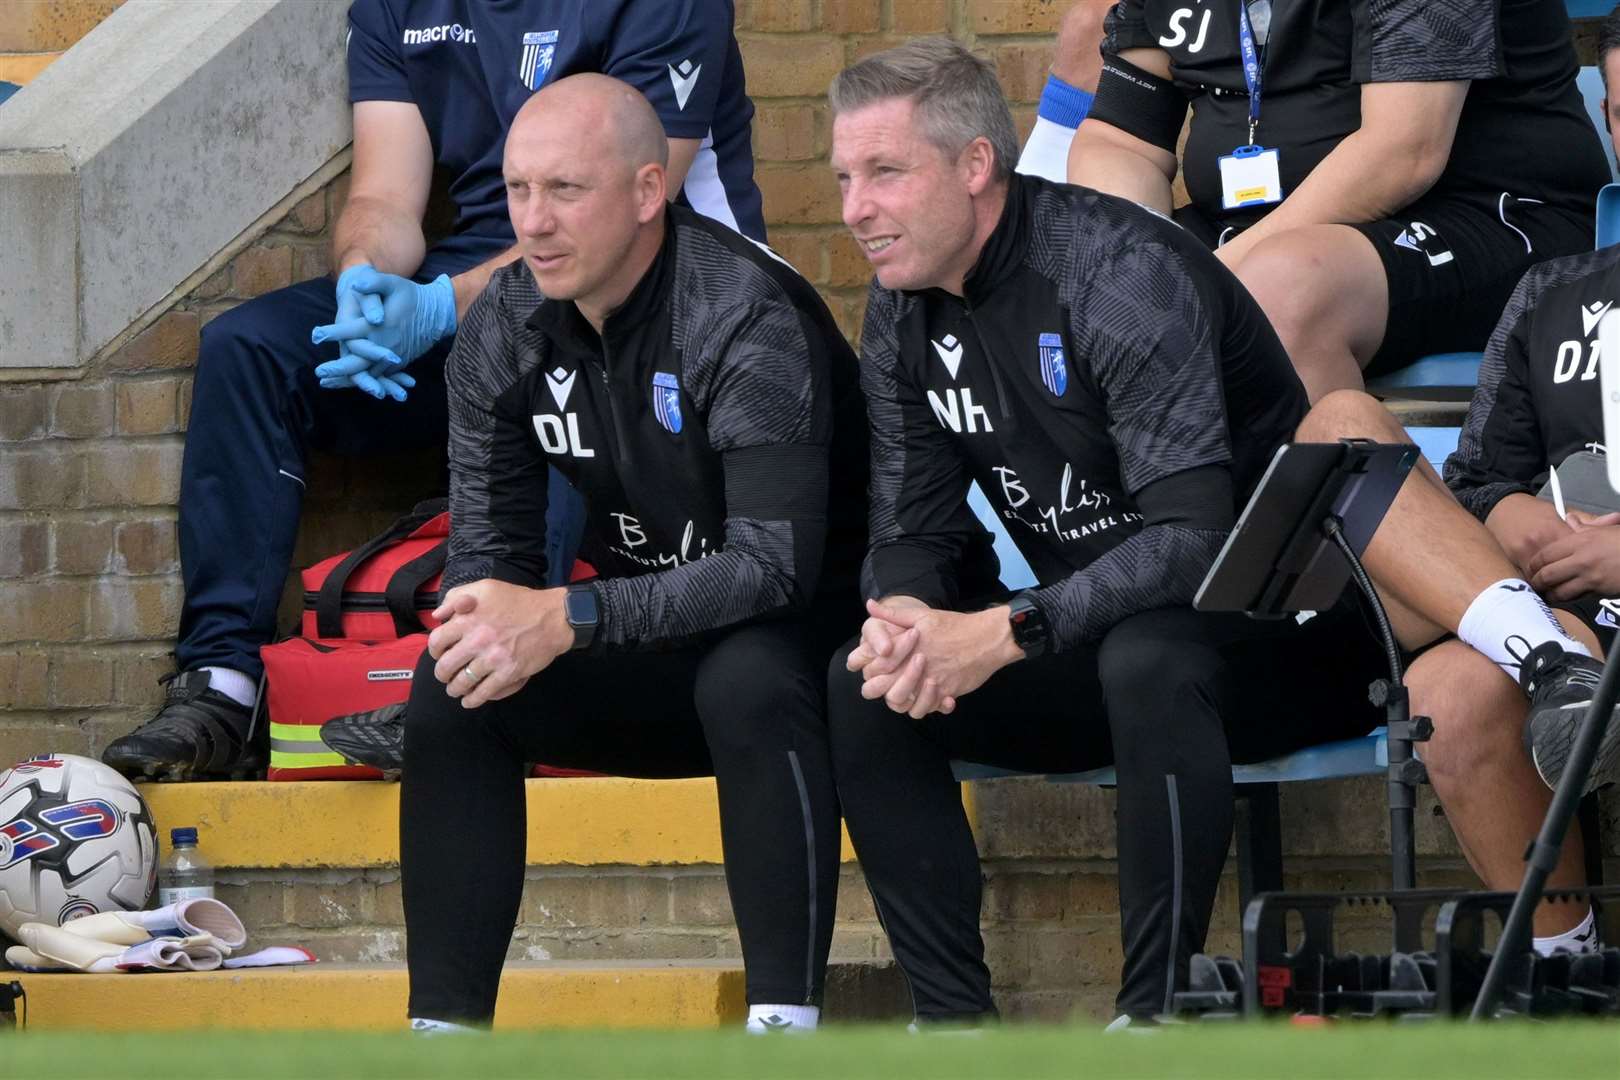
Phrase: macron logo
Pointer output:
(431, 35)
(684, 78)
(562, 384)
(950, 351)
(1591, 314)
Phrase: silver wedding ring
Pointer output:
(467, 672)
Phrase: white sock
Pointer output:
(234, 685)
(764, 1019)
(438, 1027)
(1509, 620)
(1046, 154)
(1581, 939)
(1061, 110)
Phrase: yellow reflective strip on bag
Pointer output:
(296, 732)
(281, 759)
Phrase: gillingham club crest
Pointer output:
(1054, 372)
(667, 401)
(534, 63)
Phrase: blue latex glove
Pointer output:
(378, 378)
(415, 317)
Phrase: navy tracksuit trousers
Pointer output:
(257, 410)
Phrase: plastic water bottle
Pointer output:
(185, 874)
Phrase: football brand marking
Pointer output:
(21, 841)
(397, 675)
(950, 353)
(561, 383)
(76, 908)
(684, 79)
(85, 820)
(1591, 314)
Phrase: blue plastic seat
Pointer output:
(1608, 215)
(1365, 756)
(1440, 377)
(1437, 443)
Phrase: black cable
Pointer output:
(1392, 653)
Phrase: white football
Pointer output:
(76, 838)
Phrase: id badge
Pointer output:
(1249, 177)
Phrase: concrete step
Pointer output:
(1428, 413)
(372, 997)
(584, 821)
(20, 68)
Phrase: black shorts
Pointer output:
(1597, 618)
(1452, 260)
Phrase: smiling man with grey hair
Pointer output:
(1116, 394)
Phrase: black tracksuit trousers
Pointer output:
(748, 708)
(1172, 698)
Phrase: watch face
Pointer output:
(1028, 625)
(580, 607)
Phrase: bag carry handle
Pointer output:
(329, 604)
(406, 583)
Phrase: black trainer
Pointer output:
(1561, 685)
(375, 738)
(198, 734)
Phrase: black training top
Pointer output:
(1099, 352)
(1539, 399)
(1523, 128)
(714, 429)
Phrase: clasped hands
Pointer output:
(921, 660)
(494, 636)
(384, 321)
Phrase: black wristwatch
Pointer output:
(583, 612)
(1028, 622)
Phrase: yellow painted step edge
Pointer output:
(21, 68)
(355, 824)
(354, 997)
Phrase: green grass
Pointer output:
(1208, 1052)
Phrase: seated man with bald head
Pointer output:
(696, 391)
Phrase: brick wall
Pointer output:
(33, 33)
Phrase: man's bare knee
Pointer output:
(1349, 414)
(1477, 714)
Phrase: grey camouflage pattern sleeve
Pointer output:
(497, 479)
(1431, 41)
(1161, 566)
(1142, 321)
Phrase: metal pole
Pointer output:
(1392, 698)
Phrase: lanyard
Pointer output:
(1253, 72)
